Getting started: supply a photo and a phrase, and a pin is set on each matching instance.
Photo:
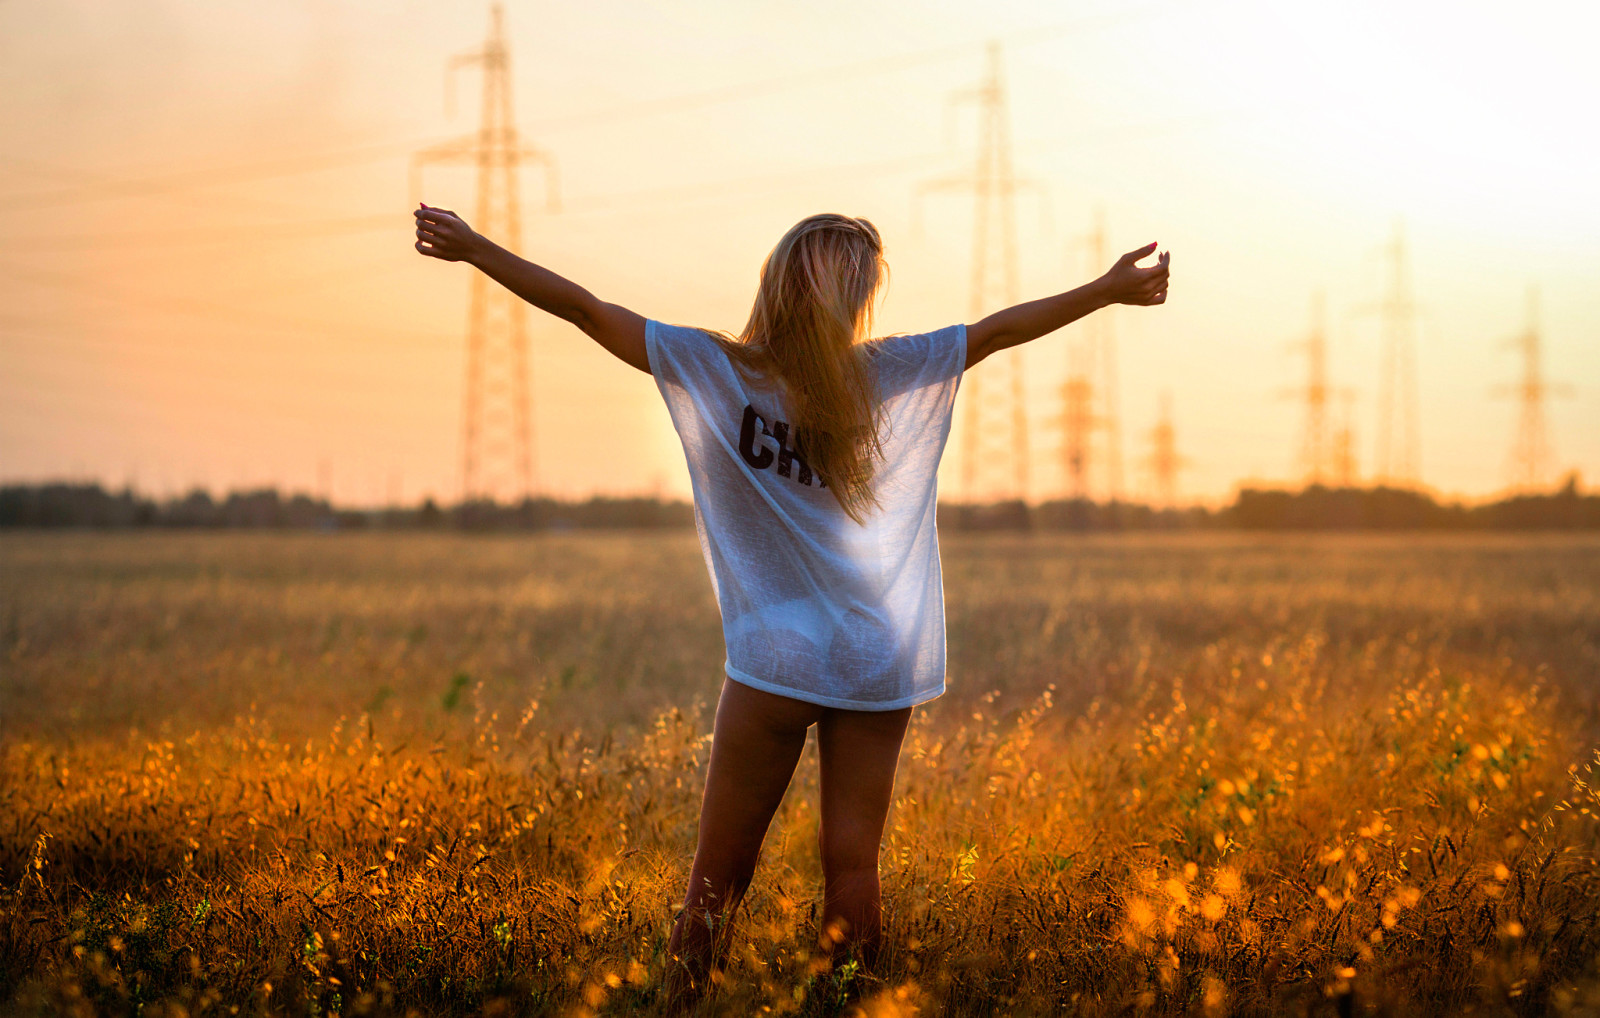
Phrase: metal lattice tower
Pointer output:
(1092, 380)
(1078, 422)
(1530, 450)
(1342, 454)
(497, 451)
(1164, 462)
(1101, 338)
(1316, 449)
(994, 422)
(1399, 458)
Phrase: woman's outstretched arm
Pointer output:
(443, 234)
(1124, 283)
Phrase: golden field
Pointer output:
(316, 774)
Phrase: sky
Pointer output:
(209, 279)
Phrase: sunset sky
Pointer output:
(209, 278)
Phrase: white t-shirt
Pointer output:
(814, 605)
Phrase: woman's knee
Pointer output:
(848, 848)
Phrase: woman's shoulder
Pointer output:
(671, 331)
(913, 360)
(914, 347)
(682, 341)
(900, 342)
(704, 356)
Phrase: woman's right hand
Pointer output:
(443, 234)
(1127, 282)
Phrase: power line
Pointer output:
(755, 182)
(86, 177)
(193, 360)
(191, 306)
(176, 236)
(658, 197)
(85, 403)
(242, 173)
(285, 166)
(720, 94)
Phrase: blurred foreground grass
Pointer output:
(319, 774)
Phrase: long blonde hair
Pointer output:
(812, 309)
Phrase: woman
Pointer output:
(812, 451)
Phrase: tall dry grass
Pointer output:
(1211, 776)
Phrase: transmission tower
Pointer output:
(497, 456)
(1092, 378)
(1315, 448)
(1164, 462)
(1530, 451)
(1399, 459)
(995, 422)
(1342, 455)
(1102, 339)
(1078, 422)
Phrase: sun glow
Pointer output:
(1470, 109)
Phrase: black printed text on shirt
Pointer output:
(760, 457)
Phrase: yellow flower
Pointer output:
(1226, 881)
(1177, 892)
(1140, 915)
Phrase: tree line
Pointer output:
(1313, 508)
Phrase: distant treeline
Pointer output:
(90, 505)
(1313, 508)
(1318, 508)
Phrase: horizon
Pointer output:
(1571, 482)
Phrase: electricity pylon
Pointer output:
(1315, 448)
(1078, 422)
(497, 457)
(995, 420)
(1399, 459)
(1342, 454)
(1530, 450)
(1164, 461)
(1095, 375)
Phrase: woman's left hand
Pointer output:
(1128, 282)
(443, 234)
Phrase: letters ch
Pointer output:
(760, 457)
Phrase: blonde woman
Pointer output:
(812, 450)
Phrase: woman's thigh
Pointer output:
(859, 753)
(756, 742)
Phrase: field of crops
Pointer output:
(316, 774)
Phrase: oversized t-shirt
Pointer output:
(814, 605)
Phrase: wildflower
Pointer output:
(1226, 881)
(1140, 915)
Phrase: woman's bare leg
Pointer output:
(859, 751)
(755, 745)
